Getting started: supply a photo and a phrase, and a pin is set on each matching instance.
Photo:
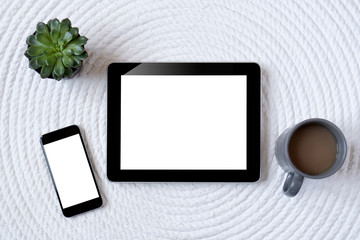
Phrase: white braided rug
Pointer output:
(309, 54)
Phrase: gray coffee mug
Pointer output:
(295, 177)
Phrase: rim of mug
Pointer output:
(325, 123)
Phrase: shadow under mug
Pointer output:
(295, 177)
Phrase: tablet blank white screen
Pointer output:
(183, 122)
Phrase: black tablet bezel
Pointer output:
(58, 135)
(251, 70)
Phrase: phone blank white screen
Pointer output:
(183, 122)
(71, 171)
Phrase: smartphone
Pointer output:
(70, 170)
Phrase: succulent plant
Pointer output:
(56, 50)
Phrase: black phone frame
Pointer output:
(58, 135)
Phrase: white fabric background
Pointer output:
(309, 54)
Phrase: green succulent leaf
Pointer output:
(49, 51)
(61, 42)
(46, 71)
(76, 46)
(27, 55)
(54, 24)
(40, 60)
(68, 72)
(67, 61)
(76, 49)
(42, 28)
(83, 56)
(59, 68)
(56, 77)
(74, 32)
(31, 40)
(77, 62)
(33, 63)
(78, 59)
(37, 62)
(65, 26)
(54, 34)
(67, 38)
(55, 30)
(42, 38)
(79, 41)
(49, 24)
(34, 51)
(68, 52)
(50, 61)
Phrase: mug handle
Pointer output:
(292, 184)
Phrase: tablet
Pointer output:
(183, 122)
